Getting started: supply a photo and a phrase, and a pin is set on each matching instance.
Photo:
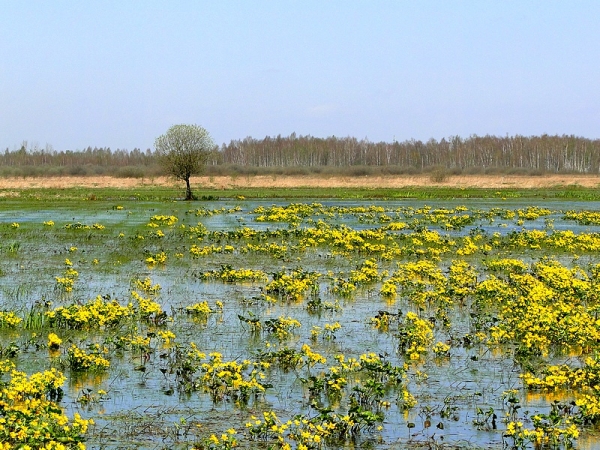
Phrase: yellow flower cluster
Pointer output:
(508, 265)
(422, 282)
(136, 342)
(230, 275)
(98, 313)
(198, 251)
(310, 433)
(281, 326)
(312, 357)
(415, 336)
(273, 248)
(8, 319)
(147, 308)
(292, 213)
(230, 379)
(545, 434)
(542, 308)
(533, 212)
(583, 217)
(327, 332)
(366, 274)
(204, 212)
(163, 220)
(166, 336)
(31, 418)
(199, 309)
(441, 349)
(156, 234)
(584, 380)
(462, 279)
(67, 281)
(158, 258)
(146, 286)
(292, 286)
(54, 341)
(81, 361)
(565, 240)
(227, 441)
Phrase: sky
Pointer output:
(118, 74)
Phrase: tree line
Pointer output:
(544, 153)
(475, 154)
(32, 160)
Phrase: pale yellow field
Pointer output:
(283, 181)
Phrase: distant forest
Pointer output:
(298, 155)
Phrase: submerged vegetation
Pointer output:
(141, 323)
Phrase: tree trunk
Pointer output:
(188, 190)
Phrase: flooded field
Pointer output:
(308, 325)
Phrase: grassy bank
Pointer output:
(165, 193)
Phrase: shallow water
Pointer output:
(146, 409)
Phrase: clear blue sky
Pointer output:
(119, 73)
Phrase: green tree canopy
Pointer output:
(183, 151)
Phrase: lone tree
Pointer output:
(183, 151)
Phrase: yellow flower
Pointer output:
(54, 341)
